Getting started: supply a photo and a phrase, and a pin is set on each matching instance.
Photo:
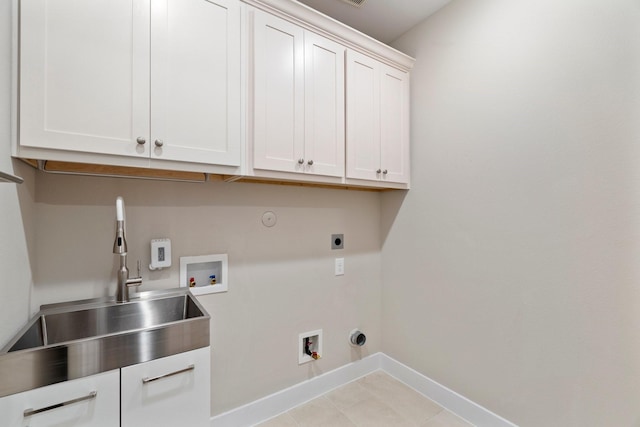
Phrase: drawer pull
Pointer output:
(31, 411)
(147, 380)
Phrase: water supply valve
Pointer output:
(307, 349)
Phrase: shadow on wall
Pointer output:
(16, 255)
(391, 203)
(26, 201)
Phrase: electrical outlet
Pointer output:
(337, 241)
(309, 342)
(339, 267)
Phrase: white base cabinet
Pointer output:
(92, 401)
(172, 391)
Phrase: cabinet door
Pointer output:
(363, 116)
(172, 391)
(324, 106)
(81, 408)
(394, 125)
(84, 75)
(195, 81)
(278, 104)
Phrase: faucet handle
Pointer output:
(135, 281)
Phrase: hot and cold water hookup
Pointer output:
(307, 349)
(357, 338)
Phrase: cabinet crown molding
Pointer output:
(328, 27)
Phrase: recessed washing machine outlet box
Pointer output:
(315, 339)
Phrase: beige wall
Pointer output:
(512, 268)
(17, 243)
(281, 280)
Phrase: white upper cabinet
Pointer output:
(84, 75)
(394, 125)
(278, 98)
(363, 112)
(256, 88)
(195, 81)
(324, 106)
(155, 79)
(377, 121)
(298, 99)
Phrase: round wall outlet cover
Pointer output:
(269, 219)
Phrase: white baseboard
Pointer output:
(284, 400)
(448, 399)
(281, 401)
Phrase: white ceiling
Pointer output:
(384, 20)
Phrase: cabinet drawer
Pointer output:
(170, 391)
(91, 401)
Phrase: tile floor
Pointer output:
(374, 400)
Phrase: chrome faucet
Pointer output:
(120, 248)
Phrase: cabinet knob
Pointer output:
(379, 170)
(300, 161)
(310, 162)
(140, 140)
(159, 143)
(385, 171)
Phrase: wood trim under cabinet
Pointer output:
(51, 166)
(122, 171)
(304, 184)
(30, 162)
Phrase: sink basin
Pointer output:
(71, 340)
(103, 319)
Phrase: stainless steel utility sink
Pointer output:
(73, 340)
(56, 324)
